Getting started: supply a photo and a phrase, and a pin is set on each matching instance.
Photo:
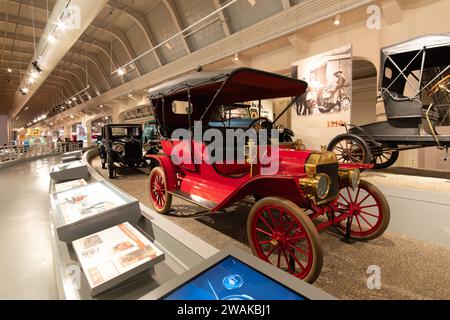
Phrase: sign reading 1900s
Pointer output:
(320, 113)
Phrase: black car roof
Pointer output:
(243, 84)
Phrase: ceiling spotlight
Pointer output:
(236, 57)
(74, 99)
(36, 66)
(51, 123)
(9, 70)
(24, 91)
(51, 38)
(71, 116)
(26, 108)
(337, 19)
(121, 72)
(101, 106)
(60, 25)
(130, 95)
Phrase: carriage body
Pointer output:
(414, 86)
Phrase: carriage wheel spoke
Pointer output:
(265, 232)
(279, 257)
(266, 223)
(359, 223)
(272, 219)
(365, 198)
(270, 252)
(287, 262)
(292, 254)
(369, 214)
(303, 252)
(370, 225)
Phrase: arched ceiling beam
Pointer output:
(177, 22)
(116, 34)
(122, 39)
(17, 83)
(15, 62)
(223, 19)
(140, 22)
(76, 54)
(78, 66)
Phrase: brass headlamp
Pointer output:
(317, 186)
(349, 178)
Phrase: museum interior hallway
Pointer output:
(26, 268)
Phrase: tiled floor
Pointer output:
(26, 261)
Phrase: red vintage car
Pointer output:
(309, 192)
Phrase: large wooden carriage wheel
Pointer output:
(280, 233)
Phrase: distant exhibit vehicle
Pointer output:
(420, 66)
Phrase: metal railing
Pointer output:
(11, 153)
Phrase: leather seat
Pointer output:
(399, 106)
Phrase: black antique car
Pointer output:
(121, 145)
(415, 88)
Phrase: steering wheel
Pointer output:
(442, 84)
(260, 123)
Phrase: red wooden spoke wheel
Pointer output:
(161, 199)
(280, 233)
(371, 214)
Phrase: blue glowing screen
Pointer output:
(230, 279)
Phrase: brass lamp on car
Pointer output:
(317, 186)
(349, 178)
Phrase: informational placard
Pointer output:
(67, 166)
(114, 255)
(90, 200)
(73, 170)
(61, 187)
(320, 113)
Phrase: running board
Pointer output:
(207, 204)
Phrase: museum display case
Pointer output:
(90, 208)
(115, 255)
(69, 171)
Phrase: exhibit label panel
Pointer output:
(114, 255)
(320, 113)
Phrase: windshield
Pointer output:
(125, 132)
(223, 113)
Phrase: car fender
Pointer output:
(286, 187)
(169, 170)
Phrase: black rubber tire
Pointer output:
(367, 153)
(307, 225)
(384, 207)
(390, 161)
(111, 168)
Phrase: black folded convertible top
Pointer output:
(242, 84)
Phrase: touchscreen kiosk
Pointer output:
(235, 275)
